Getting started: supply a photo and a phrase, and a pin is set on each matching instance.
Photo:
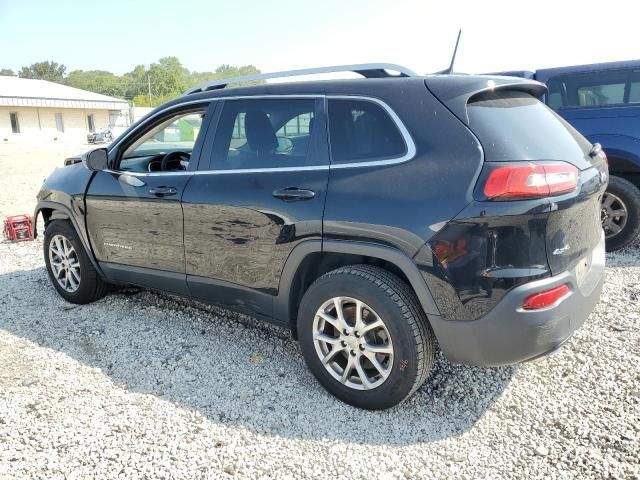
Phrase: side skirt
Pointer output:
(227, 295)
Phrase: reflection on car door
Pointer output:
(135, 225)
(259, 197)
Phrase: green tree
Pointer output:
(135, 83)
(7, 72)
(222, 72)
(46, 70)
(98, 81)
(168, 77)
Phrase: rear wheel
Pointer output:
(68, 265)
(365, 337)
(620, 213)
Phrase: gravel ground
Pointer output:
(24, 168)
(142, 385)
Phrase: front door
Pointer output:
(133, 211)
(262, 193)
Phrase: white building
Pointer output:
(42, 111)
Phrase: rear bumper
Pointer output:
(508, 334)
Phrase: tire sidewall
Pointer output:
(630, 195)
(87, 275)
(405, 359)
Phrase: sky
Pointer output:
(275, 35)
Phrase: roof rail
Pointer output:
(367, 70)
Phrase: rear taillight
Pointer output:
(530, 180)
(546, 298)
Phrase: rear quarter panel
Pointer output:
(615, 120)
(403, 205)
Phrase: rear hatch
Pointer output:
(516, 129)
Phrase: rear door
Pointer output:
(133, 211)
(260, 191)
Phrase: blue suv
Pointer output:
(602, 101)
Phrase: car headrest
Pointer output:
(260, 135)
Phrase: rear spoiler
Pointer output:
(455, 91)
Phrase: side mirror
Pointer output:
(96, 160)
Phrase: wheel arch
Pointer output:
(312, 259)
(51, 211)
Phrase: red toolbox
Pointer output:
(18, 228)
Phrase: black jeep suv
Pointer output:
(371, 216)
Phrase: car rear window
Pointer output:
(513, 125)
(362, 130)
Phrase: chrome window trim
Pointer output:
(408, 155)
(147, 174)
(408, 140)
(137, 127)
(221, 172)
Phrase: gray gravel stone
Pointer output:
(142, 385)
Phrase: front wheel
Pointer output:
(365, 337)
(68, 265)
(620, 212)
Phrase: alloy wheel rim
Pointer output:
(353, 343)
(613, 213)
(65, 263)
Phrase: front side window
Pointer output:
(171, 140)
(361, 130)
(265, 133)
(15, 125)
(587, 89)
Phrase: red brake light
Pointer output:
(531, 180)
(545, 298)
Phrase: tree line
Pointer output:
(146, 87)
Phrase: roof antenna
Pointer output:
(449, 70)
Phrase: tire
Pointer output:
(626, 195)
(406, 333)
(83, 287)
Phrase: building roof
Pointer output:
(26, 92)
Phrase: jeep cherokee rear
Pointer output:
(371, 217)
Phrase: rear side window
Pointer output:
(513, 125)
(266, 133)
(588, 89)
(361, 130)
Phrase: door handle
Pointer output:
(163, 191)
(291, 194)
